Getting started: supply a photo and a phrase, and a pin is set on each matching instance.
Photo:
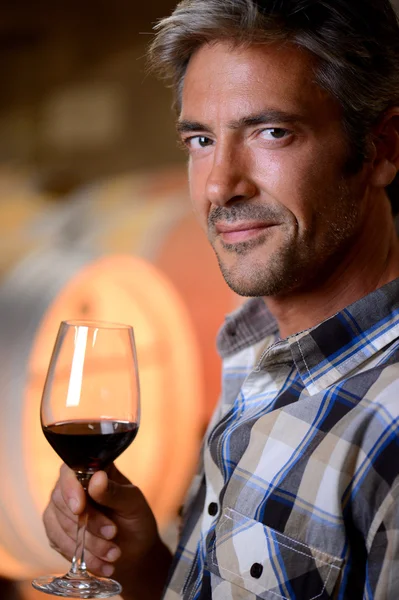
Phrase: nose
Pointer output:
(229, 178)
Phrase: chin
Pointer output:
(263, 271)
(260, 280)
(244, 286)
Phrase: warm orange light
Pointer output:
(162, 458)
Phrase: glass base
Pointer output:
(77, 586)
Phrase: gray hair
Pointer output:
(355, 42)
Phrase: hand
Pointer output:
(122, 534)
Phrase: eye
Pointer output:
(274, 133)
(198, 141)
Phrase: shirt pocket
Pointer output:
(262, 561)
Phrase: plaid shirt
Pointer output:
(297, 493)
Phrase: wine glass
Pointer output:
(90, 413)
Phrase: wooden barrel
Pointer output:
(20, 204)
(45, 289)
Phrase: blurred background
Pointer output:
(95, 222)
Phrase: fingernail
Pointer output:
(107, 570)
(73, 504)
(108, 531)
(113, 554)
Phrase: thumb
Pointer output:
(124, 499)
(114, 474)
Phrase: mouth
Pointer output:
(235, 233)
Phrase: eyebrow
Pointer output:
(268, 116)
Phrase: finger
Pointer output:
(54, 530)
(114, 474)
(98, 546)
(67, 525)
(62, 537)
(98, 523)
(124, 500)
(72, 492)
(57, 499)
(59, 539)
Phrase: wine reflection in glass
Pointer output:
(90, 413)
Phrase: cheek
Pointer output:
(299, 181)
(286, 180)
(198, 197)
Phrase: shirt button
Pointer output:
(213, 509)
(256, 570)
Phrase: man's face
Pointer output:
(267, 167)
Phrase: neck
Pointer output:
(371, 262)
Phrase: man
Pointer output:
(289, 112)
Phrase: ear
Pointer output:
(386, 146)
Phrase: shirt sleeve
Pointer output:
(382, 573)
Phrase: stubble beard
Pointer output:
(297, 263)
(270, 277)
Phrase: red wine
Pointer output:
(89, 446)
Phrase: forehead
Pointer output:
(227, 82)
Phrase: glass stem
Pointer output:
(78, 567)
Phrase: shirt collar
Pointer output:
(246, 326)
(330, 351)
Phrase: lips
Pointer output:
(233, 233)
